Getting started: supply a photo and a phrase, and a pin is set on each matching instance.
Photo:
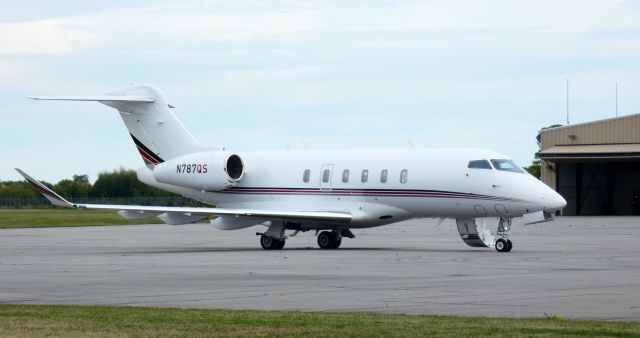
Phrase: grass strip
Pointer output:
(103, 321)
(43, 218)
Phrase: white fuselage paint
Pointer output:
(438, 184)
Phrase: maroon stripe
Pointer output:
(46, 192)
(147, 156)
(354, 192)
(140, 145)
(366, 193)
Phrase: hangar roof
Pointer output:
(619, 130)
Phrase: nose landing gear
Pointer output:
(503, 244)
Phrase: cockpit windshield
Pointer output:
(479, 164)
(507, 165)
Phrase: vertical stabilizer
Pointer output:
(155, 130)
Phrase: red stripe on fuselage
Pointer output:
(440, 194)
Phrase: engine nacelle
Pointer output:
(211, 171)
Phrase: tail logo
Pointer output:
(148, 156)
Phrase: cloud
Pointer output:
(336, 74)
(52, 36)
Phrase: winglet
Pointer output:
(49, 194)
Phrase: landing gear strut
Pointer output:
(330, 240)
(503, 244)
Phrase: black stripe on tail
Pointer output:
(148, 156)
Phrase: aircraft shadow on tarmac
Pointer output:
(236, 249)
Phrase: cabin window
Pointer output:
(507, 165)
(345, 176)
(306, 175)
(325, 175)
(365, 176)
(403, 176)
(383, 175)
(479, 164)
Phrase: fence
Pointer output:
(41, 202)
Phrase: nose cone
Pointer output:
(552, 201)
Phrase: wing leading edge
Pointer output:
(190, 213)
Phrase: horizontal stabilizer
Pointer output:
(113, 98)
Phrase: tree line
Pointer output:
(116, 184)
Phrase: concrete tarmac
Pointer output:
(579, 267)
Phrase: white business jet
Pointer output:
(328, 191)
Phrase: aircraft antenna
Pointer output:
(567, 100)
(616, 98)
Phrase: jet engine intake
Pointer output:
(211, 171)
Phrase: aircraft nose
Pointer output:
(553, 201)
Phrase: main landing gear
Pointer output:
(271, 243)
(274, 238)
(503, 244)
(329, 240)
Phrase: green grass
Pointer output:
(42, 218)
(99, 321)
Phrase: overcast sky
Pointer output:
(295, 74)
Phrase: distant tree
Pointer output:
(81, 178)
(123, 183)
(535, 168)
(18, 189)
(116, 184)
(78, 187)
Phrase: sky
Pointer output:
(263, 75)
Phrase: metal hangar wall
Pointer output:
(595, 166)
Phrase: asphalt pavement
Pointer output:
(578, 267)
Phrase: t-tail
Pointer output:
(155, 130)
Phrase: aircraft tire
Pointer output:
(270, 243)
(501, 245)
(509, 246)
(325, 240)
(335, 242)
(281, 244)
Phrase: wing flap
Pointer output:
(195, 213)
(137, 214)
(176, 218)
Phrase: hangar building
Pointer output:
(595, 166)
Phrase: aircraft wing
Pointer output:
(182, 215)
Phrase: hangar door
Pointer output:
(599, 187)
